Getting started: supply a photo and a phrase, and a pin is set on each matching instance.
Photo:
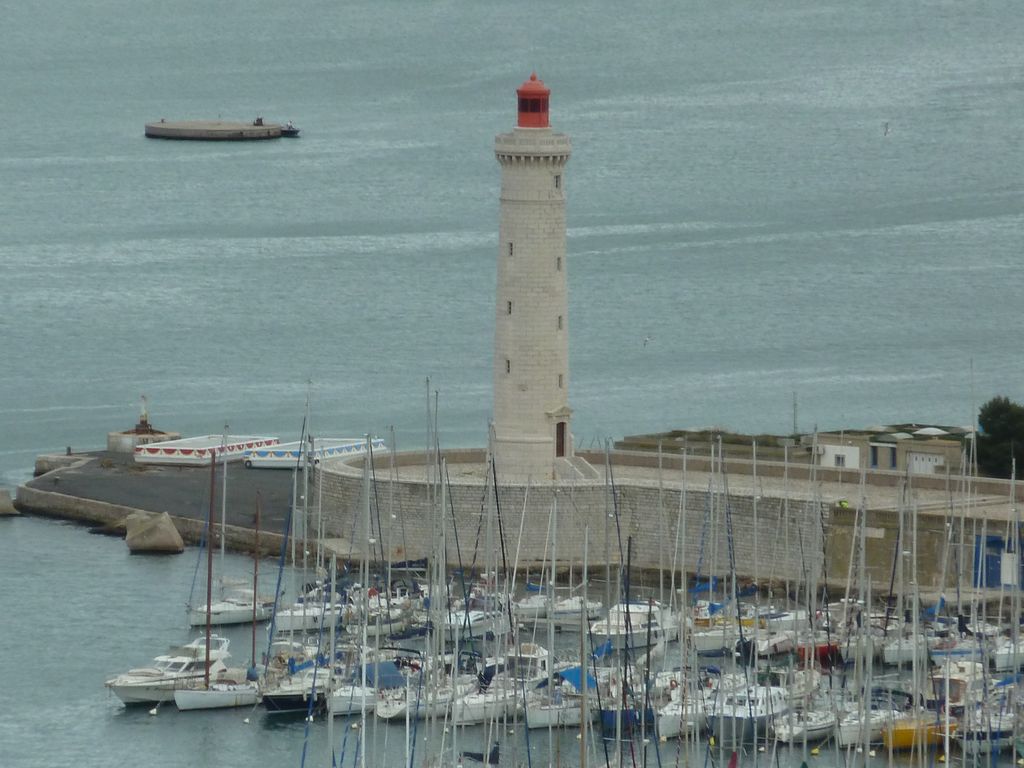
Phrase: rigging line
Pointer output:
(625, 688)
(195, 573)
(618, 530)
(647, 686)
(704, 532)
(583, 677)
(731, 545)
(825, 596)
(280, 564)
(455, 530)
(895, 561)
(480, 518)
(380, 535)
(393, 479)
(504, 566)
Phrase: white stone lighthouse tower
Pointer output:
(531, 338)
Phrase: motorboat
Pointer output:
(236, 608)
(860, 728)
(179, 667)
(570, 611)
(748, 713)
(636, 625)
(531, 607)
(289, 131)
(421, 700)
(809, 725)
(685, 714)
(982, 732)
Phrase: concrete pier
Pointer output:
(212, 130)
(102, 489)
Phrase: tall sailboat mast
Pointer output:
(209, 563)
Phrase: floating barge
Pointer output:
(198, 450)
(288, 455)
(216, 130)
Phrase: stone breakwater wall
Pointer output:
(783, 543)
(103, 514)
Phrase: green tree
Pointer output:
(1001, 437)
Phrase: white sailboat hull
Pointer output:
(217, 696)
(227, 612)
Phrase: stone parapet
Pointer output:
(716, 535)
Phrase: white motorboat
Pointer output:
(351, 699)
(531, 607)
(568, 611)
(716, 640)
(860, 728)
(981, 733)
(904, 649)
(746, 714)
(475, 624)
(809, 725)
(306, 615)
(556, 709)
(234, 609)
(498, 700)
(636, 625)
(684, 715)
(1007, 655)
(179, 667)
(420, 700)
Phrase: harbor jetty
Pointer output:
(682, 511)
(102, 489)
(214, 130)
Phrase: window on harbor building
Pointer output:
(840, 460)
(892, 457)
(874, 457)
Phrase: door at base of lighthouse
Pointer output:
(560, 439)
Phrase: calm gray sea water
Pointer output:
(812, 196)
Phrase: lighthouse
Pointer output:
(532, 437)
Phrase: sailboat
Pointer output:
(229, 689)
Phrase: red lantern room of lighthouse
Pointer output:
(533, 103)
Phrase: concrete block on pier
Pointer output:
(6, 505)
(152, 534)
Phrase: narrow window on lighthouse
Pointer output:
(560, 381)
(508, 365)
(558, 263)
(558, 181)
(510, 307)
(559, 322)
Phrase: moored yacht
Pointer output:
(747, 714)
(636, 625)
(177, 668)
